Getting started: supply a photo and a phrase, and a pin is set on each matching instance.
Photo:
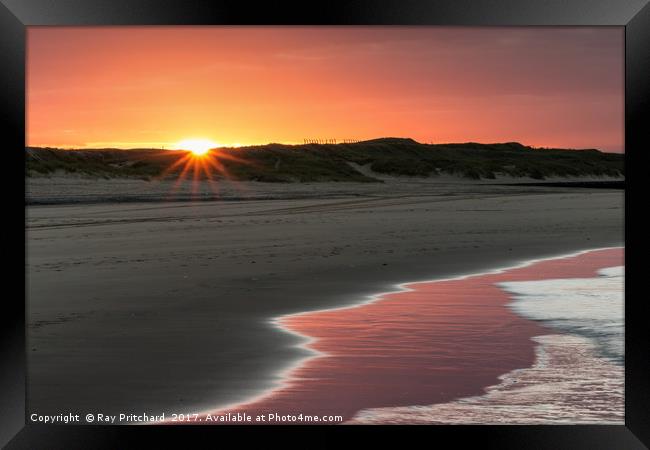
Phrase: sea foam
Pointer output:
(591, 307)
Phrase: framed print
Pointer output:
(351, 217)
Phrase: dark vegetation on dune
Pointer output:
(331, 162)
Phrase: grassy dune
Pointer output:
(331, 162)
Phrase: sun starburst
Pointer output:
(202, 160)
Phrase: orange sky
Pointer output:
(154, 86)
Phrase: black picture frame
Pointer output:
(16, 15)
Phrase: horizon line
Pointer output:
(333, 141)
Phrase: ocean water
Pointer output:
(568, 384)
(590, 307)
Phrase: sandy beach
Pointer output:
(165, 306)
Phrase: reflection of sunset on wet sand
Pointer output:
(433, 343)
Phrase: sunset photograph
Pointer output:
(317, 225)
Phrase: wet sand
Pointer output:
(431, 343)
(165, 307)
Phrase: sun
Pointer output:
(198, 147)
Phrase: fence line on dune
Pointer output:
(329, 141)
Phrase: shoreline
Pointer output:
(287, 378)
(277, 322)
